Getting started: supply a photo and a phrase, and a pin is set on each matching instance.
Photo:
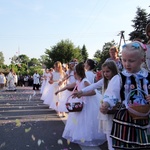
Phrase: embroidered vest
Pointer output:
(132, 85)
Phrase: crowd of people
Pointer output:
(11, 80)
(123, 82)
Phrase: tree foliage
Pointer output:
(34, 62)
(1, 59)
(23, 59)
(63, 51)
(84, 53)
(140, 22)
(102, 55)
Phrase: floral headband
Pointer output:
(136, 45)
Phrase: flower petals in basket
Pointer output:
(74, 106)
(139, 108)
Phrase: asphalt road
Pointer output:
(27, 124)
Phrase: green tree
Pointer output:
(43, 60)
(84, 53)
(34, 62)
(1, 59)
(101, 56)
(23, 59)
(63, 51)
(97, 56)
(140, 22)
(14, 59)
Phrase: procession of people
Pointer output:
(98, 109)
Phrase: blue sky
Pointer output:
(31, 26)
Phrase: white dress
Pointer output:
(46, 87)
(105, 121)
(44, 80)
(90, 76)
(82, 127)
(65, 94)
(51, 99)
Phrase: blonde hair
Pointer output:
(58, 64)
(135, 46)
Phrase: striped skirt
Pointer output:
(128, 133)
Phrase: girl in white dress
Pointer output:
(55, 83)
(43, 78)
(47, 77)
(82, 127)
(68, 79)
(109, 69)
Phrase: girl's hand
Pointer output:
(60, 83)
(56, 92)
(104, 107)
(51, 82)
(77, 94)
(148, 98)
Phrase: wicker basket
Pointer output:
(138, 111)
(74, 106)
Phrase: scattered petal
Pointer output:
(7, 104)
(39, 142)
(60, 142)
(33, 137)
(68, 141)
(20, 107)
(34, 93)
(18, 123)
(27, 130)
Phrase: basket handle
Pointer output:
(71, 93)
(128, 95)
(132, 110)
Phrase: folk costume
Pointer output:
(127, 132)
